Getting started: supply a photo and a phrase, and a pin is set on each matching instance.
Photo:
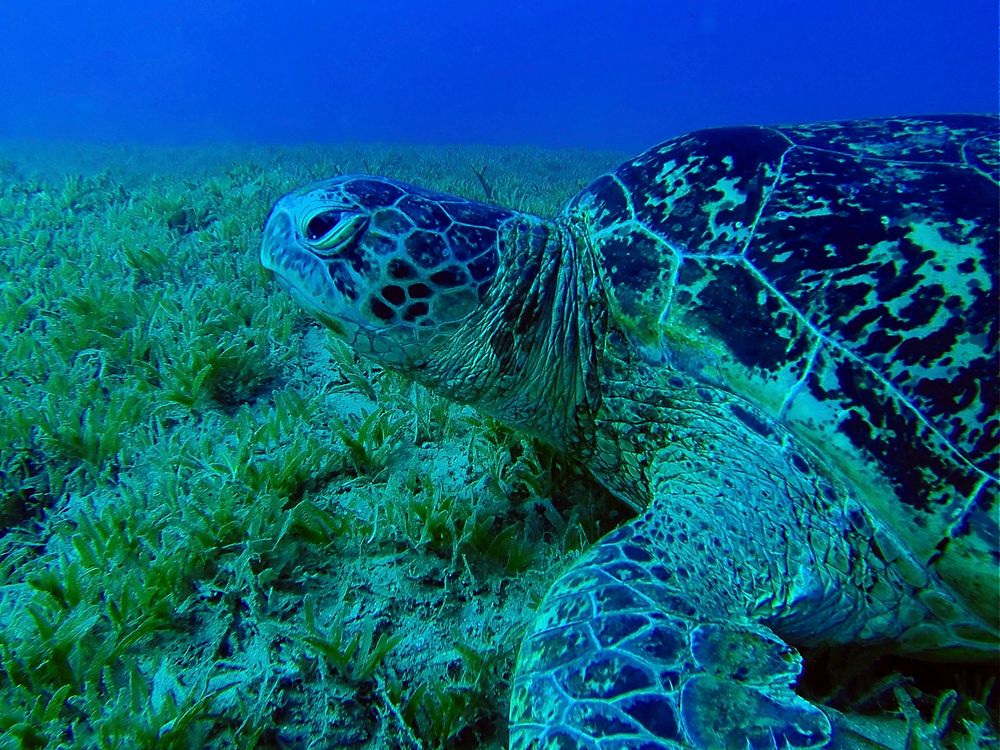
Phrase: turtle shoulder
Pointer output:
(841, 277)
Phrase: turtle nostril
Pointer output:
(321, 224)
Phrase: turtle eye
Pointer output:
(322, 224)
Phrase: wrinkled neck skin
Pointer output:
(528, 356)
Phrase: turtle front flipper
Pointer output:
(620, 652)
(674, 631)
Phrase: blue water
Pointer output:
(620, 74)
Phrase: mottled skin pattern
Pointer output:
(778, 344)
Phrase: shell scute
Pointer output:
(897, 277)
(701, 193)
(940, 140)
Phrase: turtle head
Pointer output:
(391, 268)
(480, 303)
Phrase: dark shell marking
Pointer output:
(842, 276)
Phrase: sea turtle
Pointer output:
(779, 344)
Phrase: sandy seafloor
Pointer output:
(222, 529)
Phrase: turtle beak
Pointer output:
(263, 227)
(278, 233)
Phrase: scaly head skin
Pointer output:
(477, 302)
(383, 265)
